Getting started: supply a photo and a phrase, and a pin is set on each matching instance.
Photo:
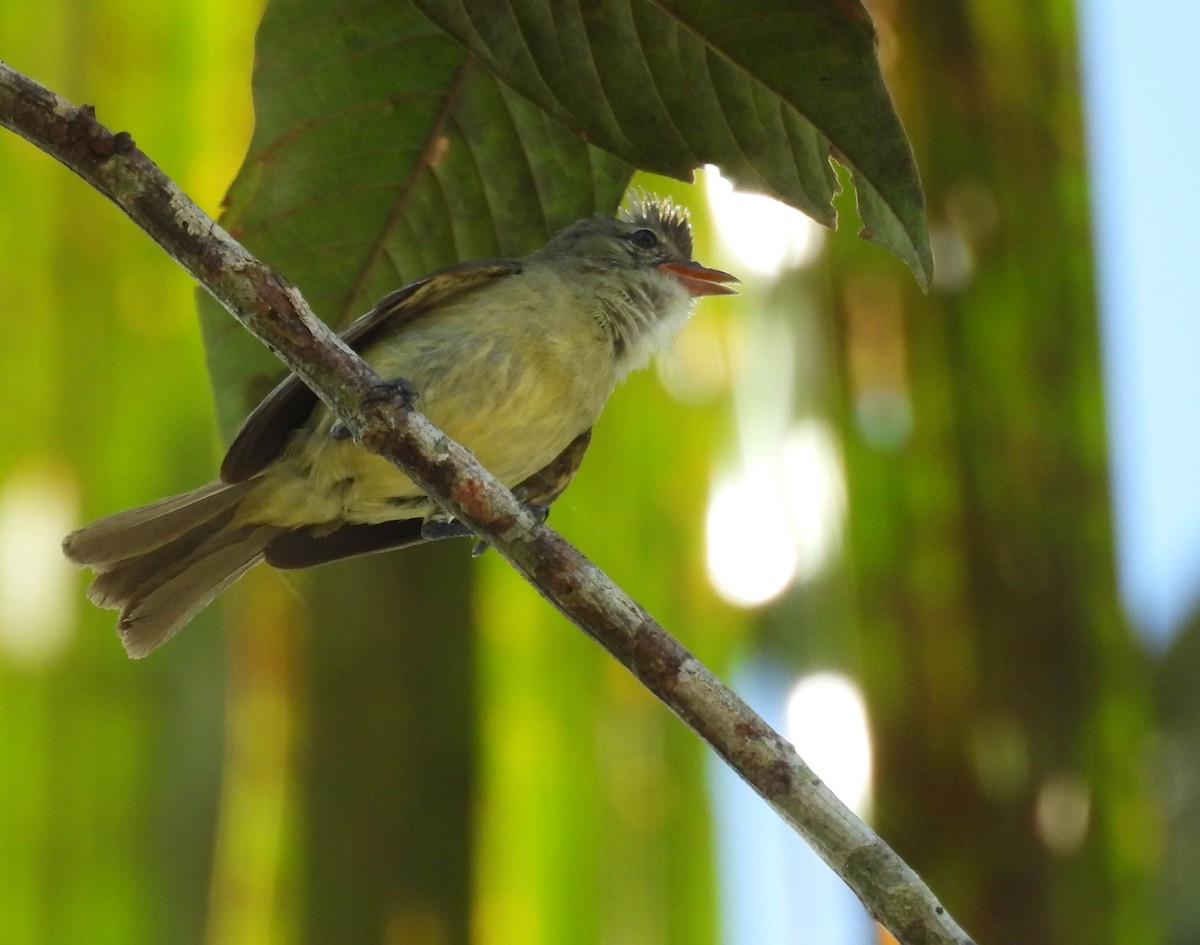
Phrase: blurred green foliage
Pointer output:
(1008, 694)
(110, 790)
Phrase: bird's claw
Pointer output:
(435, 529)
(540, 514)
(396, 389)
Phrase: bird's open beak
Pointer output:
(699, 280)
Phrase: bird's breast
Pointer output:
(515, 379)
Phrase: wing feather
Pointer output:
(266, 431)
(303, 548)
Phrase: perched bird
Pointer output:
(512, 358)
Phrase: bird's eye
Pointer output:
(644, 239)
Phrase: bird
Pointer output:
(513, 358)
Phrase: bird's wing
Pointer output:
(265, 433)
(307, 547)
(548, 483)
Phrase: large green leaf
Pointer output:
(766, 89)
(382, 151)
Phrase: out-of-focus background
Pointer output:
(948, 543)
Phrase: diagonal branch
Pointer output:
(274, 312)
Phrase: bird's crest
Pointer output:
(661, 214)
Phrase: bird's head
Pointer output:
(650, 234)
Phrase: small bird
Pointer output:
(513, 358)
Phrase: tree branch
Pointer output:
(275, 312)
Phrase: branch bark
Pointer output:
(275, 312)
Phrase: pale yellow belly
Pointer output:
(515, 413)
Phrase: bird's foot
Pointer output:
(439, 527)
(397, 389)
(435, 529)
(540, 514)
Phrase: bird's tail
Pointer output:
(160, 564)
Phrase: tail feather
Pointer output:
(160, 564)
(136, 531)
(171, 599)
(118, 582)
